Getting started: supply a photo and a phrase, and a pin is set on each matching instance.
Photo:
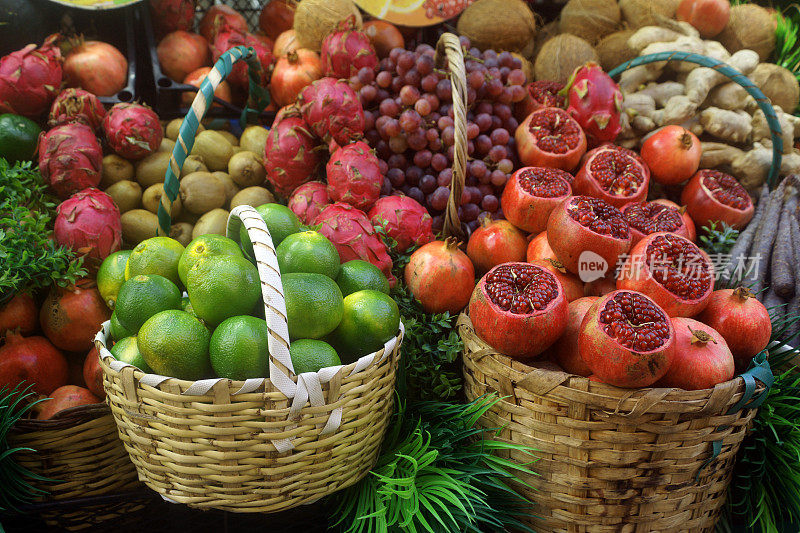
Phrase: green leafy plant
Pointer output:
(29, 260)
(718, 240)
(437, 472)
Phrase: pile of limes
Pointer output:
(336, 312)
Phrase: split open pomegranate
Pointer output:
(672, 271)
(542, 93)
(713, 196)
(653, 217)
(531, 195)
(613, 175)
(551, 138)
(626, 339)
(519, 309)
(573, 286)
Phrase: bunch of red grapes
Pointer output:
(409, 122)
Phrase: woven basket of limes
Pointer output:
(269, 382)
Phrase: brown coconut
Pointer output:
(547, 32)
(590, 19)
(315, 19)
(614, 50)
(638, 13)
(498, 24)
(561, 55)
(750, 27)
(778, 84)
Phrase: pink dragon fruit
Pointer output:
(172, 15)
(229, 38)
(291, 155)
(89, 223)
(346, 51)
(70, 158)
(595, 102)
(30, 78)
(308, 200)
(354, 176)
(77, 105)
(132, 130)
(332, 111)
(404, 220)
(354, 236)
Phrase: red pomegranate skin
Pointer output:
(19, 315)
(572, 285)
(71, 317)
(495, 242)
(32, 360)
(66, 397)
(440, 276)
(93, 373)
(695, 364)
(566, 350)
(539, 248)
(559, 127)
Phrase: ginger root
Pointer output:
(661, 92)
(763, 134)
(730, 126)
(716, 155)
(731, 96)
(678, 110)
(701, 80)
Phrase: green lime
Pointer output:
(370, 319)
(280, 221)
(313, 305)
(186, 305)
(357, 275)
(143, 296)
(127, 351)
(175, 344)
(116, 330)
(309, 355)
(205, 246)
(19, 138)
(308, 251)
(111, 276)
(238, 348)
(156, 255)
(222, 286)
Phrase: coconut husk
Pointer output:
(315, 19)
(498, 24)
(590, 20)
(561, 55)
(545, 33)
(750, 27)
(778, 84)
(614, 50)
(638, 13)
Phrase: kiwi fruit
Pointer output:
(192, 164)
(230, 186)
(215, 221)
(201, 192)
(152, 169)
(254, 139)
(174, 126)
(126, 194)
(187, 216)
(167, 145)
(253, 196)
(152, 197)
(214, 149)
(246, 170)
(181, 232)
(230, 137)
(138, 225)
(115, 168)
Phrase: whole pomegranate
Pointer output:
(709, 17)
(93, 373)
(291, 155)
(672, 154)
(440, 276)
(584, 230)
(132, 130)
(540, 94)
(654, 217)
(72, 316)
(171, 15)
(495, 242)
(354, 176)
(672, 271)
(531, 195)
(293, 72)
(343, 53)
(600, 286)
(332, 110)
(573, 286)
(519, 309)
(221, 17)
(687, 220)
(595, 102)
(614, 176)
(308, 200)
(32, 360)
(539, 248)
(566, 350)
(384, 36)
(70, 158)
(229, 38)
(354, 237)
(404, 220)
(276, 17)
(89, 223)
(19, 315)
(741, 320)
(77, 105)
(713, 196)
(181, 52)
(627, 340)
(285, 42)
(97, 67)
(196, 78)
(701, 358)
(551, 138)
(66, 397)
(30, 78)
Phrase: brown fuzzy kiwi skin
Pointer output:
(778, 84)
(246, 170)
(315, 19)
(614, 50)
(181, 232)
(115, 168)
(254, 139)
(230, 186)
(200, 192)
(152, 197)
(252, 196)
(152, 169)
(167, 145)
(590, 20)
(173, 126)
(126, 194)
(561, 55)
(498, 24)
(138, 225)
(215, 221)
(214, 149)
(193, 163)
(750, 27)
(638, 13)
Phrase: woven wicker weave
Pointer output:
(611, 459)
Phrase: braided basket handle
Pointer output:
(746, 83)
(200, 106)
(448, 49)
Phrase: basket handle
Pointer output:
(723, 68)
(448, 49)
(200, 105)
